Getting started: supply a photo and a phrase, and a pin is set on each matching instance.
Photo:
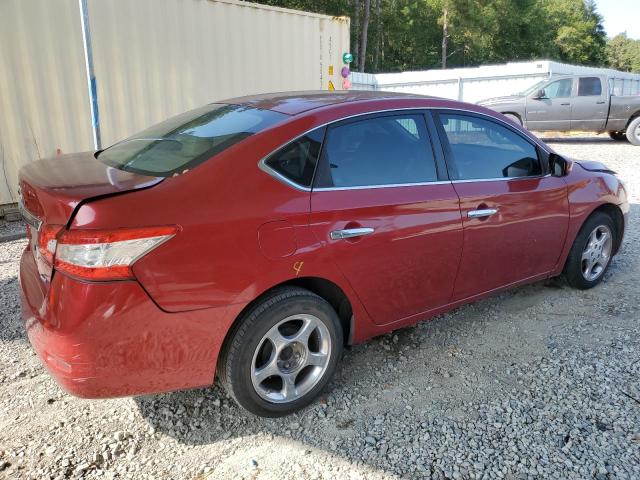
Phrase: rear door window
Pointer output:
(484, 149)
(589, 86)
(186, 140)
(384, 150)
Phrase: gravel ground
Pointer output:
(542, 381)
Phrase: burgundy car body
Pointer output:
(241, 231)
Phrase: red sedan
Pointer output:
(253, 239)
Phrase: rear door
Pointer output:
(553, 111)
(515, 215)
(590, 105)
(382, 205)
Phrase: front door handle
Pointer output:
(565, 104)
(485, 212)
(350, 233)
(600, 103)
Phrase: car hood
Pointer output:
(496, 100)
(593, 166)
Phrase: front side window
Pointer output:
(483, 149)
(559, 89)
(186, 140)
(385, 150)
(297, 160)
(589, 86)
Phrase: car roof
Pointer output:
(293, 103)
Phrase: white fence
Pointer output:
(478, 83)
(79, 73)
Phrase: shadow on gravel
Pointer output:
(427, 356)
(11, 327)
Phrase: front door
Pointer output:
(391, 223)
(552, 111)
(515, 215)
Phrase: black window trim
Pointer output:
(439, 147)
(542, 153)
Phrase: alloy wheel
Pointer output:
(597, 253)
(291, 358)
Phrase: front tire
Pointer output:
(591, 253)
(282, 353)
(633, 131)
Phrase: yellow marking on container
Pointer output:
(330, 69)
(331, 87)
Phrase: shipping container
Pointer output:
(81, 74)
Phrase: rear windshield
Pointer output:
(186, 140)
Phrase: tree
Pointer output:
(413, 34)
(365, 31)
(623, 53)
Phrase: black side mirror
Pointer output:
(558, 166)
(540, 94)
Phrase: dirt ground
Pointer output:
(541, 381)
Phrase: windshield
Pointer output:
(186, 140)
(533, 88)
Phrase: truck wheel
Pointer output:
(514, 118)
(619, 136)
(633, 131)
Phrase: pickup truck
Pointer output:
(563, 103)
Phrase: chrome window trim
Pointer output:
(278, 176)
(497, 179)
(391, 185)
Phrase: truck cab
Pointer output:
(559, 103)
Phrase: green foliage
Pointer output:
(408, 34)
(624, 53)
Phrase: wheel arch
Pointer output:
(325, 289)
(632, 117)
(616, 214)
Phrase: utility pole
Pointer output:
(445, 38)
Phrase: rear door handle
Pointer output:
(485, 212)
(565, 104)
(350, 233)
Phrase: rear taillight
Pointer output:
(105, 254)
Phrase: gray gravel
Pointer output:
(542, 381)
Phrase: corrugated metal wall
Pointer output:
(478, 83)
(44, 102)
(151, 59)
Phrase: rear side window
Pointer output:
(484, 149)
(186, 140)
(386, 150)
(589, 86)
(297, 160)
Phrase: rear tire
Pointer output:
(633, 132)
(618, 136)
(591, 253)
(282, 352)
(514, 118)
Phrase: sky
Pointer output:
(620, 16)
